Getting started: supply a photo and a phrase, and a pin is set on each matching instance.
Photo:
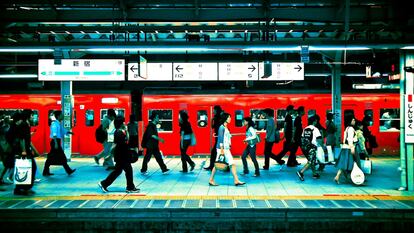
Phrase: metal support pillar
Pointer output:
(67, 103)
(337, 98)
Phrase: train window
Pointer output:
(368, 117)
(51, 117)
(239, 117)
(281, 114)
(259, 119)
(202, 118)
(89, 117)
(390, 119)
(118, 112)
(166, 121)
(311, 112)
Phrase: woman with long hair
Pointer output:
(185, 141)
(223, 148)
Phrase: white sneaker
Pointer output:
(144, 173)
(37, 180)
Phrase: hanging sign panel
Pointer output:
(82, 70)
(409, 103)
(283, 71)
(195, 72)
(238, 71)
(150, 72)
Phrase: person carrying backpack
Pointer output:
(310, 140)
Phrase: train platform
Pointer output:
(277, 200)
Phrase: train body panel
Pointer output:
(88, 111)
(90, 108)
(200, 108)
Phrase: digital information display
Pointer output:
(195, 72)
(235, 71)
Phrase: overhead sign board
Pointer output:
(238, 71)
(82, 70)
(283, 71)
(150, 72)
(195, 72)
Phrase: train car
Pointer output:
(381, 109)
(88, 111)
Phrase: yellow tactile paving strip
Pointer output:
(144, 197)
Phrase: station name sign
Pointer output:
(213, 71)
(82, 70)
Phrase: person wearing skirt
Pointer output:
(348, 155)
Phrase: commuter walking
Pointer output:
(23, 148)
(122, 159)
(330, 130)
(297, 137)
(215, 124)
(7, 157)
(347, 157)
(56, 156)
(185, 141)
(311, 139)
(133, 132)
(108, 125)
(251, 140)
(287, 133)
(270, 139)
(223, 148)
(151, 142)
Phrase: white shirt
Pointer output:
(315, 133)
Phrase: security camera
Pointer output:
(409, 69)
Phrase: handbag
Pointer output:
(325, 156)
(23, 172)
(254, 141)
(366, 166)
(221, 163)
(193, 140)
(133, 155)
(357, 176)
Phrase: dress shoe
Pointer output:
(96, 159)
(240, 183)
(192, 167)
(48, 174)
(71, 172)
(212, 184)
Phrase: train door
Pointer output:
(200, 119)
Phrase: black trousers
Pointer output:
(213, 155)
(184, 156)
(268, 154)
(157, 154)
(56, 157)
(252, 152)
(119, 167)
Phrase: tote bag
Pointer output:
(23, 172)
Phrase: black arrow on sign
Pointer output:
(133, 68)
(299, 68)
(252, 68)
(178, 68)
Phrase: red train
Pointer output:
(89, 109)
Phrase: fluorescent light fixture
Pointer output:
(245, 31)
(25, 50)
(17, 76)
(82, 32)
(408, 47)
(375, 86)
(109, 100)
(152, 49)
(355, 75)
(276, 48)
(156, 31)
(53, 32)
(317, 75)
(97, 32)
(67, 32)
(336, 48)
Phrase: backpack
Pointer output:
(100, 134)
(307, 136)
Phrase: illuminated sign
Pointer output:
(82, 70)
(283, 71)
(238, 71)
(150, 72)
(195, 72)
(409, 103)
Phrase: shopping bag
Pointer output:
(320, 155)
(331, 157)
(357, 176)
(366, 166)
(23, 172)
